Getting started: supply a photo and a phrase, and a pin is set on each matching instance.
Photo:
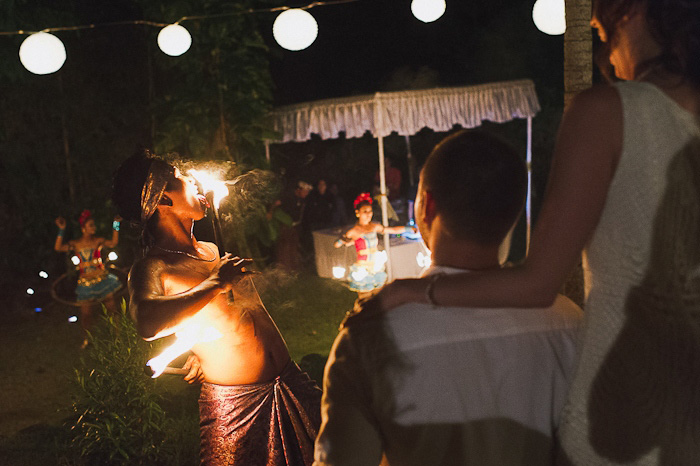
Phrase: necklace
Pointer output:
(175, 251)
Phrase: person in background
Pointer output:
(339, 217)
(367, 274)
(95, 284)
(434, 385)
(318, 213)
(288, 250)
(393, 179)
(624, 189)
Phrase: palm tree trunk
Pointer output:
(578, 75)
(578, 49)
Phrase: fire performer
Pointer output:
(95, 284)
(256, 406)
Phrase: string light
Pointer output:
(174, 40)
(550, 16)
(45, 53)
(42, 53)
(428, 10)
(295, 29)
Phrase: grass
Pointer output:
(40, 351)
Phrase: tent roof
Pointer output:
(407, 112)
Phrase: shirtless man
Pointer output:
(182, 283)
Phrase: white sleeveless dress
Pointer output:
(617, 258)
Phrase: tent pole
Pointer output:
(379, 128)
(528, 203)
(409, 157)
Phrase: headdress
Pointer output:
(361, 198)
(159, 173)
(85, 215)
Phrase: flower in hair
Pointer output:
(362, 197)
(84, 217)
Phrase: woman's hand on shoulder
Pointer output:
(389, 297)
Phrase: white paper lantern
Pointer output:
(295, 29)
(174, 40)
(428, 10)
(42, 53)
(549, 16)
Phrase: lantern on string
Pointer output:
(428, 10)
(42, 53)
(174, 40)
(295, 29)
(549, 16)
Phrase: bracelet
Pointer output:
(115, 225)
(61, 231)
(431, 286)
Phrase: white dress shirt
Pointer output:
(436, 385)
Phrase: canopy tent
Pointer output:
(407, 112)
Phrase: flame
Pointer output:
(188, 336)
(210, 183)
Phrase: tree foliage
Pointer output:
(62, 135)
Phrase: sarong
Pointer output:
(272, 423)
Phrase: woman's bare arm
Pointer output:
(588, 146)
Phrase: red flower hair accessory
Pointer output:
(84, 217)
(362, 197)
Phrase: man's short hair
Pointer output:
(478, 183)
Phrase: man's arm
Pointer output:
(347, 436)
(157, 314)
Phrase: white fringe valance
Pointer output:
(407, 112)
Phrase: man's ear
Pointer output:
(428, 208)
(165, 200)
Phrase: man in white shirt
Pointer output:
(429, 385)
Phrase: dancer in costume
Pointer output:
(256, 406)
(367, 274)
(95, 283)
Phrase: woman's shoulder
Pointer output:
(596, 98)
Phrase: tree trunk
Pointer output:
(578, 75)
(578, 49)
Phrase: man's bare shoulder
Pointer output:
(146, 271)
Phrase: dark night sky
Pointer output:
(377, 45)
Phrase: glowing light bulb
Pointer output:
(42, 53)
(295, 29)
(550, 16)
(428, 10)
(174, 40)
(112, 256)
(30, 291)
(75, 260)
(43, 274)
(338, 272)
(72, 319)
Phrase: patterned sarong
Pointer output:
(272, 423)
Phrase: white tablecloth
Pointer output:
(403, 253)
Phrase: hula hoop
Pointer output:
(121, 274)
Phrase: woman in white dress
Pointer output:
(624, 189)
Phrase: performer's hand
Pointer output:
(230, 270)
(195, 374)
(60, 223)
(390, 296)
(118, 218)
